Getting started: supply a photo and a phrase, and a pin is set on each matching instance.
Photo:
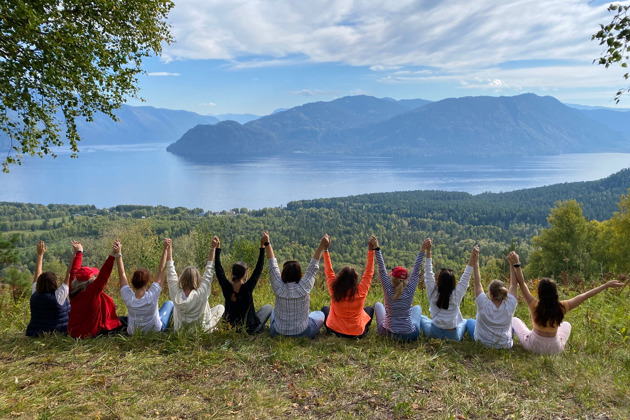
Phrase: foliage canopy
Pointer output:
(61, 60)
(616, 38)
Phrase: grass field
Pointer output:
(228, 374)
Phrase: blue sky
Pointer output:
(255, 56)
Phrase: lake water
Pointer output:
(146, 174)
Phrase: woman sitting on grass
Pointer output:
(398, 319)
(346, 316)
(238, 293)
(49, 304)
(291, 315)
(92, 311)
(550, 333)
(142, 304)
(190, 292)
(445, 298)
(493, 324)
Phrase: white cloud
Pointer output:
(313, 92)
(208, 104)
(162, 74)
(385, 35)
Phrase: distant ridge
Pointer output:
(472, 126)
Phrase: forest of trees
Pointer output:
(574, 231)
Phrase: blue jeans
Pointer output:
(470, 327)
(380, 314)
(431, 331)
(315, 322)
(166, 310)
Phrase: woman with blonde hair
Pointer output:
(493, 323)
(398, 319)
(190, 291)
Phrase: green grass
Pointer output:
(230, 374)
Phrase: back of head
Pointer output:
(399, 277)
(445, 287)
(140, 278)
(291, 272)
(190, 279)
(239, 270)
(497, 290)
(549, 312)
(46, 282)
(345, 284)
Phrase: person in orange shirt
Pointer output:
(346, 316)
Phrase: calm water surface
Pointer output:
(146, 174)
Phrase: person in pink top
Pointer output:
(346, 316)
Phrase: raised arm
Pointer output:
(579, 299)
(77, 260)
(429, 277)
(250, 284)
(386, 283)
(225, 284)
(159, 277)
(513, 259)
(464, 280)
(103, 274)
(328, 269)
(122, 277)
(268, 248)
(41, 249)
(171, 274)
(478, 289)
(518, 273)
(368, 274)
(323, 246)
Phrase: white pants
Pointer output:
(538, 344)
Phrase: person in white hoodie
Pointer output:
(190, 292)
(445, 296)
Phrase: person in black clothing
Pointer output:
(238, 293)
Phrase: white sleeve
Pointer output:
(34, 288)
(126, 294)
(172, 280)
(275, 278)
(462, 286)
(61, 294)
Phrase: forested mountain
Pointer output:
(137, 124)
(300, 129)
(472, 126)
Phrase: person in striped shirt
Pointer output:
(397, 318)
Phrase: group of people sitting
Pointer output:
(90, 312)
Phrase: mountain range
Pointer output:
(471, 126)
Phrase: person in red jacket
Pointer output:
(92, 312)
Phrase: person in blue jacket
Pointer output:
(49, 302)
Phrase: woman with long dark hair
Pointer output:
(50, 307)
(550, 333)
(445, 296)
(346, 316)
(238, 292)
